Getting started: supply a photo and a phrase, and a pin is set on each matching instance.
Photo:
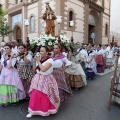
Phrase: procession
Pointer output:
(46, 70)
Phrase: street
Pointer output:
(89, 103)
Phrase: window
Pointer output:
(18, 1)
(32, 24)
(91, 20)
(106, 29)
(70, 17)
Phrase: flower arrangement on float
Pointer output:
(48, 40)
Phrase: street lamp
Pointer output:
(59, 20)
(71, 25)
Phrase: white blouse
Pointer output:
(50, 70)
(3, 58)
(15, 50)
(102, 51)
(60, 62)
(22, 62)
(119, 61)
(65, 54)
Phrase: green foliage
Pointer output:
(5, 29)
(2, 13)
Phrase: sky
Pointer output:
(115, 16)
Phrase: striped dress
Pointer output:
(44, 94)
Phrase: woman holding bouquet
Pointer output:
(44, 94)
(11, 88)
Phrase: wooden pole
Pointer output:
(113, 83)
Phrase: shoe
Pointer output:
(29, 115)
(3, 105)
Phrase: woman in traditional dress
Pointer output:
(11, 88)
(90, 63)
(100, 59)
(24, 67)
(75, 72)
(109, 57)
(44, 94)
(60, 64)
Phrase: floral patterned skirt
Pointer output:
(63, 84)
(25, 72)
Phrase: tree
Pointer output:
(2, 12)
(5, 29)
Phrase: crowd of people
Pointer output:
(47, 76)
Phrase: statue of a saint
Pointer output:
(49, 17)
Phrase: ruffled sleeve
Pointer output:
(29, 57)
(2, 60)
(50, 61)
(119, 61)
(13, 61)
(66, 61)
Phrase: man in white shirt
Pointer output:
(15, 48)
(78, 46)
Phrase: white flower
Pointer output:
(67, 40)
(42, 39)
(61, 36)
(56, 41)
(64, 37)
(43, 44)
(49, 43)
(38, 44)
(63, 41)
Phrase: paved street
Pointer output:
(88, 103)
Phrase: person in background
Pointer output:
(15, 50)
(90, 63)
(83, 53)
(79, 47)
(24, 67)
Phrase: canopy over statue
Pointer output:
(49, 17)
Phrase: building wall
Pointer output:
(106, 20)
(81, 12)
(99, 2)
(78, 10)
(32, 10)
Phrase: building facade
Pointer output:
(89, 16)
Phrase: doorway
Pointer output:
(91, 29)
(18, 35)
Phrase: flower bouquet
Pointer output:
(48, 40)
